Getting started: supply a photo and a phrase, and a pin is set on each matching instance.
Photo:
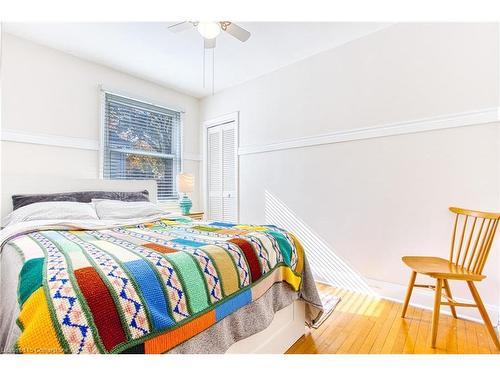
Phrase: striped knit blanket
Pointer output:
(144, 288)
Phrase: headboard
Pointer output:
(13, 184)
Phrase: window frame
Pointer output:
(102, 130)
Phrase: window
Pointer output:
(141, 141)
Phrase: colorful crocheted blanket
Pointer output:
(144, 288)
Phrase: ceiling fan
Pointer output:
(210, 30)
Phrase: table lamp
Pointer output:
(185, 184)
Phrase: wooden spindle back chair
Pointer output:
(471, 241)
(473, 234)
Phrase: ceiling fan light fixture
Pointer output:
(209, 30)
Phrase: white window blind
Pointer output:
(142, 141)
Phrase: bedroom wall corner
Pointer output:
(367, 201)
(51, 112)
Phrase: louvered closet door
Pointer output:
(229, 174)
(222, 173)
(214, 173)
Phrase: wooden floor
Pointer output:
(361, 324)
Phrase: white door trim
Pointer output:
(218, 121)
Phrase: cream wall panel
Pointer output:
(402, 73)
(365, 203)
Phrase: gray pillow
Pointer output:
(113, 209)
(79, 196)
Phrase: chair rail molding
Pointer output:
(191, 156)
(17, 136)
(454, 120)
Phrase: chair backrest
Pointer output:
(472, 237)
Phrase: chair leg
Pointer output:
(435, 312)
(484, 313)
(408, 293)
(447, 290)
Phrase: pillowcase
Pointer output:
(19, 201)
(52, 211)
(112, 209)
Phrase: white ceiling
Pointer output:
(149, 50)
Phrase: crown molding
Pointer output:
(449, 121)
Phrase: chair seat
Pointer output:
(440, 268)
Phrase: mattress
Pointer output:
(148, 286)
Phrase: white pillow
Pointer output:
(52, 211)
(112, 209)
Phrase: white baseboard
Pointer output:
(424, 299)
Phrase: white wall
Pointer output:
(48, 92)
(372, 201)
(368, 201)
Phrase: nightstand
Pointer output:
(196, 215)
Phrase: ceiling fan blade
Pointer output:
(209, 43)
(179, 27)
(237, 32)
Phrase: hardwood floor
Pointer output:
(362, 324)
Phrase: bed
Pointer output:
(160, 283)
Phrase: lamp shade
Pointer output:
(185, 182)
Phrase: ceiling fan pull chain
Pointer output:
(209, 32)
(204, 69)
(213, 71)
